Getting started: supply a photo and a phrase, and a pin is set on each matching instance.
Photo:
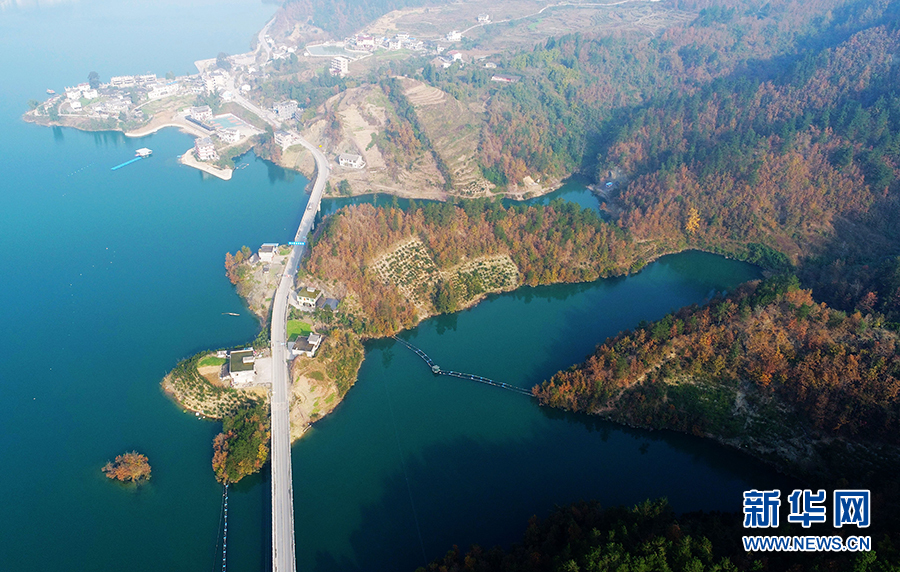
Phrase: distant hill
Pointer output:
(343, 17)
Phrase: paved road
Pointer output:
(261, 40)
(283, 554)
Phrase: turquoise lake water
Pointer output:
(110, 278)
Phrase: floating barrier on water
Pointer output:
(436, 370)
(117, 167)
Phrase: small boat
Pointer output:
(143, 152)
(229, 314)
(51, 92)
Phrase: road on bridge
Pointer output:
(283, 551)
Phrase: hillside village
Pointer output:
(238, 102)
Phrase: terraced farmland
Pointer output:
(481, 275)
(411, 268)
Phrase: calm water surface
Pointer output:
(110, 278)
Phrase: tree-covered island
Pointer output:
(130, 467)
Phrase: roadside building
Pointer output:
(454, 36)
(350, 160)
(331, 303)
(306, 346)
(286, 109)
(145, 78)
(365, 42)
(484, 18)
(216, 81)
(268, 251)
(285, 139)
(307, 298)
(205, 149)
(202, 113)
(340, 66)
(455, 56)
(241, 368)
(90, 94)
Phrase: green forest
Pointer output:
(648, 537)
(242, 447)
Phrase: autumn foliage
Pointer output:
(557, 243)
(242, 447)
(130, 467)
(766, 363)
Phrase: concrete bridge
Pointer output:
(283, 551)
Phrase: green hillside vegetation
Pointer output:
(242, 447)
(649, 537)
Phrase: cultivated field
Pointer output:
(410, 267)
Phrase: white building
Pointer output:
(216, 81)
(202, 113)
(285, 109)
(90, 94)
(121, 81)
(307, 298)
(160, 91)
(351, 160)
(454, 36)
(365, 42)
(229, 135)
(285, 139)
(340, 66)
(268, 251)
(205, 149)
(146, 78)
(455, 56)
(306, 346)
(241, 368)
(484, 18)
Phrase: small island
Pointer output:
(129, 467)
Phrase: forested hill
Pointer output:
(650, 537)
(803, 159)
(401, 266)
(343, 17)
(767, 370)
(763, 127)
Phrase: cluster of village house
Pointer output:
(340, 65)
(125, 94)
(241, 365)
